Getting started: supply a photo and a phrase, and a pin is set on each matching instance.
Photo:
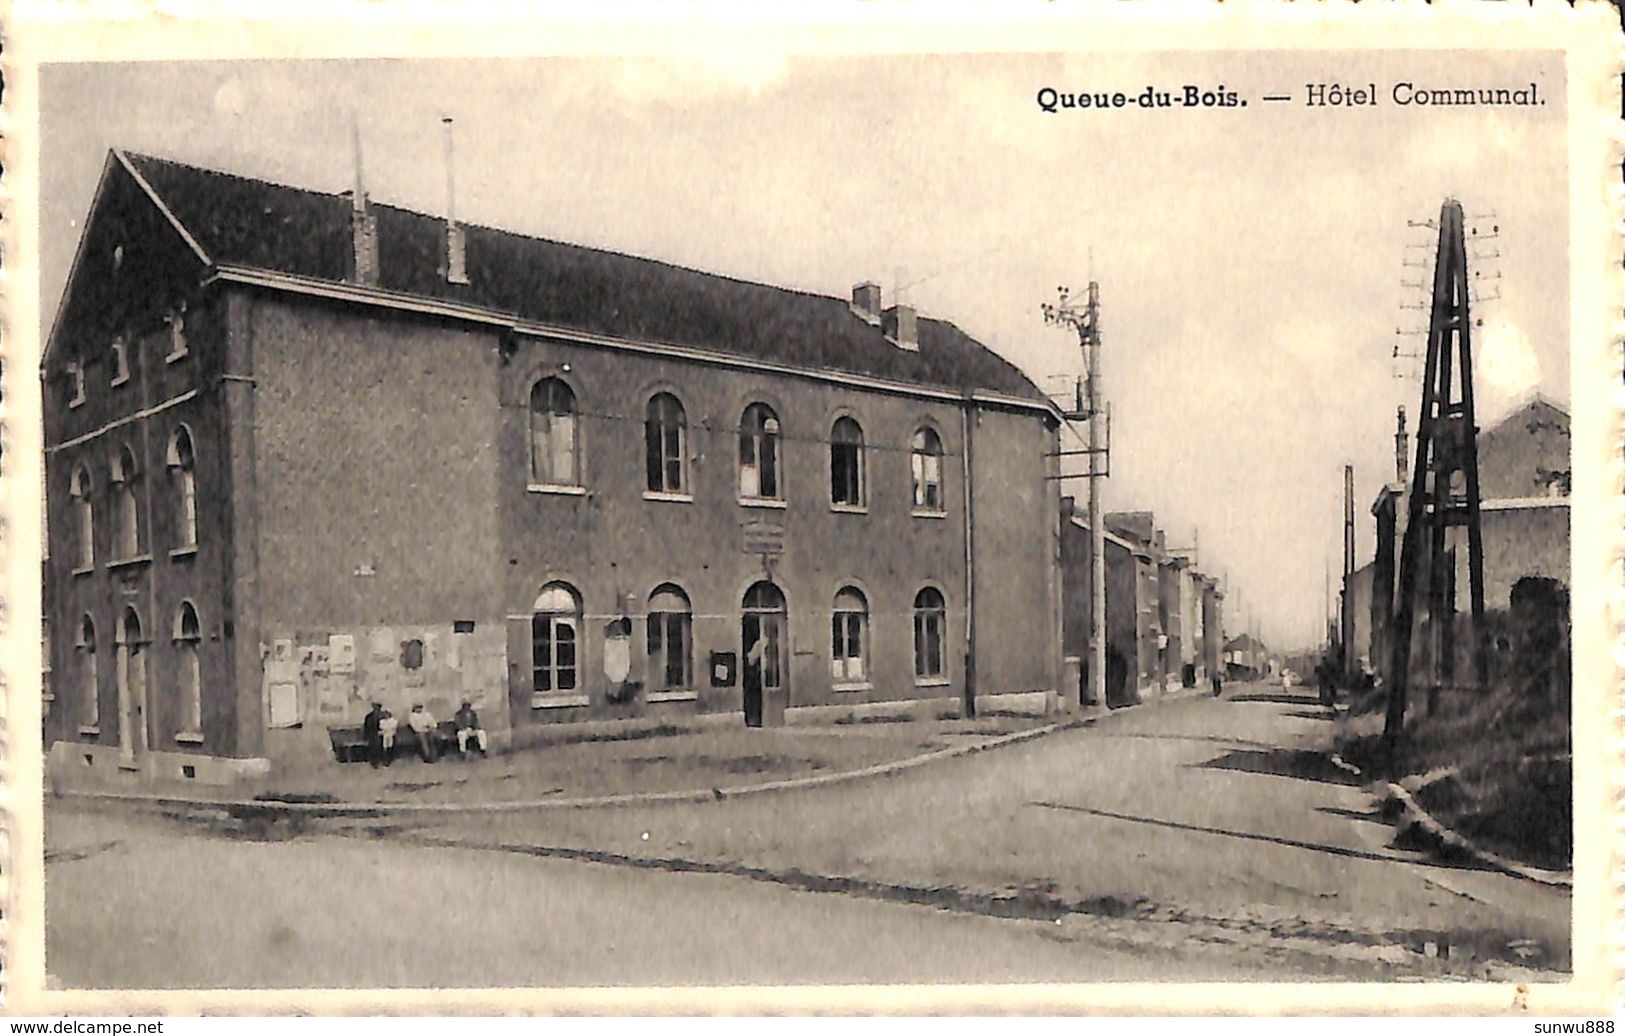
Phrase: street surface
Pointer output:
(1184, 840)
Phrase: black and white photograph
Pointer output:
(1030, 513)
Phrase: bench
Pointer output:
(350, 745)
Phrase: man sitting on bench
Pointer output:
(468, 728)
(422, 724)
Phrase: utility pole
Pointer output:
(1090, 407)
(1347, 627)
(1446, 452)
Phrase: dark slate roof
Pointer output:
(245, 222)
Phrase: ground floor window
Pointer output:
(670, 639)
(849, 636)
(555, 626)
(89, 689)
(930, 621)
(191, 672)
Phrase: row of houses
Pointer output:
(305, 452)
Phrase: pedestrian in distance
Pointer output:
(1218, 685)
(469, 729)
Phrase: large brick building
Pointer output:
(1524, 482)
(305, 451)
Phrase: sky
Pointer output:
(1252, 261)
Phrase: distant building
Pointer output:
(1524, 482)
(305, 452)
(1122, 606)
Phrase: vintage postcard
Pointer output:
(851, 508)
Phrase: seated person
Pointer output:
(422, 724)
(468, 727)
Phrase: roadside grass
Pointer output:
(1493, 766)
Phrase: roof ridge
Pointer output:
(953, 357)
(344, 195)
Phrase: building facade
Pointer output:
(306, 452)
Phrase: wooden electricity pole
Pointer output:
(1090, 407)
(1444, 481)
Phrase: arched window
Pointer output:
(846, 463)
(671, 638)
(763, 625)
(927, 466)
(930, 623)
(555, 628)
(553, 439)
(84, 647)
(759, 454)
(126, 532)
(84, 520)
(182, 472)
(187, 639)
(665, 438)
(849, 634)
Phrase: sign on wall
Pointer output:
(761, 538)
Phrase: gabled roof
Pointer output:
(248, 223)
(1531, 401)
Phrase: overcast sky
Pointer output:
(1250, 259)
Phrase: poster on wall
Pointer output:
(341, 653)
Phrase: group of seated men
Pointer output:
(380, 728)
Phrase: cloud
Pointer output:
(1507, 361)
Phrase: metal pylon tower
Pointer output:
(1444, 481)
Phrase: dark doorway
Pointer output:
(762, 641)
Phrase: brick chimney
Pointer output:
(456, 268)
(363, 225)
(899, 325)
(866, 301)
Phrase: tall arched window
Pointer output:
(849, 635)
(555, 630)
(182, 473)
(930, 623)
(126, 531)
(759, 454)
(190, 669)
(84, 521)
(553, 440)
(671, 639)
(84, 647)
(846, 463)
(927, 466)
(665, 437)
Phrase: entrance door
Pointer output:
(132, 691)
(762, 643)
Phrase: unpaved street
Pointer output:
(1192, 839)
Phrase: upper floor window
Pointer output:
(121, 360)
(846, 463)
(181, 471)
(187, 638)
(553, 440)
(177, 333)
(849, 634)
(126, 531)
(555, 627)
(665, 436)
(84, 520)
(74, 383)
(759, 454)
(671, 639)
(927, 467)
